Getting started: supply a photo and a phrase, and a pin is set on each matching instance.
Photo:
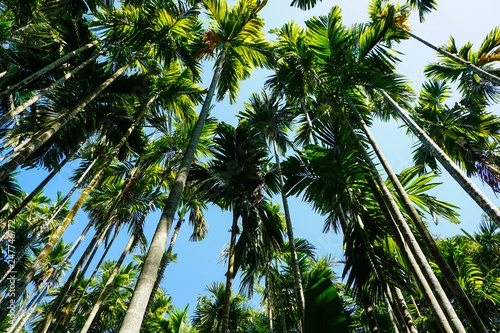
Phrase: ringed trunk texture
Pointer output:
(98, 237)
(299, 290)
(451, 280)
(133, 317)
(488, 207)
(229, 276)
(163, 266)
(107, 286)
(44, 92)
(38, 140)
(49, 67)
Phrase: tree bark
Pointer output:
(44, 92)
(49, 67)
(451, 280)
(133, 317)
(488, 207)
(299, 290)
(229, 276)
(38, 140)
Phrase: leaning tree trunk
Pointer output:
(43, 227)
(133, 317)
(49, 67)
(451, 280)
(66, 311)
(163, 266)
(38, 140)
(488, 207)
(408, 325)
(478, 71)
(28, 199)
(44, 92)
(299, 290)
(98, 237)
(26, 279)
(388, 210)
(107, 287)
(229, 275)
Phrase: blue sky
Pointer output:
(198, 262)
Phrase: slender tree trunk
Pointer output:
(391, 312)
(54, 214)
(397, 311)
(39, 140)
(28, 199)
(405, 312)
(133, 317)
(293, 252)
(426, 269)
(445, 269)
(98, 237)
(44, 92)
(416, 306)
(28, 315)
(107, 287)
(66, 310)
(478, 71)
(309, 123)
(229, 275)
(370, 316)
(163, 266)
(26, 279)
(488, 207)
(50, 67)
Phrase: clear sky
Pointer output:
(198, 262)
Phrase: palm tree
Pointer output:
(274, 120)
(208, 315)
(234, 181)
(237, 38)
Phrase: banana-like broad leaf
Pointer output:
(324, 311)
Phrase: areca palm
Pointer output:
(237, 38)
(239, 188)
(274, 120)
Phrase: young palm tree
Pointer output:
(237, 38)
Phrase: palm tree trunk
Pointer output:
(405, 250)
(391, 312)
(26, 279)
(370, 316)
(478, 71)
(28, 315)
(163, 266)
(445, 269)
(416, 306)
(293, 252)
(229, 275)
(98, 237)
(38, 140)
(51, 218)
(133, 317)
(65, 313)
(28, 199)
(107, 287)
(408, 325)
(49, 67)
(488, 207)
(44, 92)
(309, 123)
(405, 312)
(397, 311)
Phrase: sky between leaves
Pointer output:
(198, 263)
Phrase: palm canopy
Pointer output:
(239, 30)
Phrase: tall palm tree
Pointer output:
(239, 189)
(237, 38)
(274, 120)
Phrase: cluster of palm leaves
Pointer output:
(111, 88)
